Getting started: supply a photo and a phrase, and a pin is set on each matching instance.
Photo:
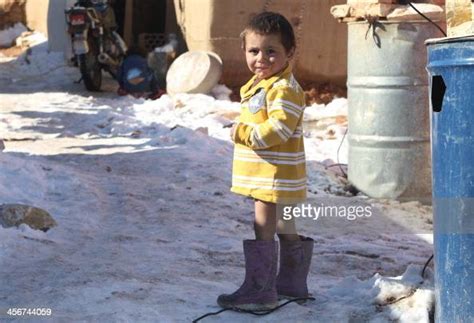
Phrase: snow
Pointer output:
(337, 107)
(147, 228)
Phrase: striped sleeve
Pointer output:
(285, 107)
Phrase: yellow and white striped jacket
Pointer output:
(269, 158)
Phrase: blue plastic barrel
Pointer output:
(451, 70)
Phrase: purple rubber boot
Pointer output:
(258, 291)
(295, 259)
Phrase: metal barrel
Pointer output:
(451, 71)
(389, 147)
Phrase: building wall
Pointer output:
(32, 13)
(11, 12)
(45, 16)
(215, 25)
(37, 15)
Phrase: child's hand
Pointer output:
(232, 131)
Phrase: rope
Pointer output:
(373, 24)
(259, 313)
(338, 150)
(426, 265)
(413, 290)
(431, 21)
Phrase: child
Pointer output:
(269, 166)
(135, 77)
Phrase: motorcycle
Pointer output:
(95, 43)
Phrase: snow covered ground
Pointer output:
(147, 228)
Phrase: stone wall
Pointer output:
(11, 12)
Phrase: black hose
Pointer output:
(431, 21)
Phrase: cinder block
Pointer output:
(361, 10)
(372, 9)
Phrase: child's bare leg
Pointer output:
(286, 229)
(265, 220)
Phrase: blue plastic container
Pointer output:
(451, 70)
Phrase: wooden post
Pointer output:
(128, 26)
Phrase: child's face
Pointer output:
(265, 54)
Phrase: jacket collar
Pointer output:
(247, 90)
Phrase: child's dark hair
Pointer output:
(268, 23)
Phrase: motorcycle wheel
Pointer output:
(91, 70)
